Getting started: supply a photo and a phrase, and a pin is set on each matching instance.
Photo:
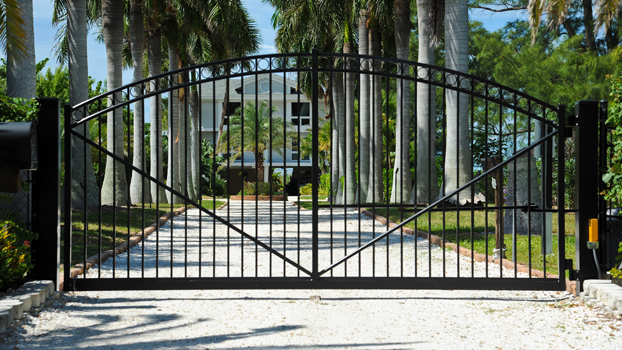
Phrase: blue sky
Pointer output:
(262, 13)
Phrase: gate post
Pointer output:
(46, 193)
(586, 185)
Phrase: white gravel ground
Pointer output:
(288, 319)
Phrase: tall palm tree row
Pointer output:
(115, 187)
(402, 179)
(457, 166)
(426, 185)
(139, 185)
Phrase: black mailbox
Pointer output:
(18, 146)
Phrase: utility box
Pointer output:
(18, 151)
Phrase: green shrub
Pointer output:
(613, 177)
(260, 189)
(14, 254)
(306, 190)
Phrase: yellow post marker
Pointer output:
(593, 232)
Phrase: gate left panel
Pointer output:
(165, 181)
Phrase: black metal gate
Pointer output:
(469, 169)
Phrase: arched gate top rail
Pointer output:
(327, 63)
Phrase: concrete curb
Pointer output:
(603, 293)
(31, 297)
(570, 285)
(91, 261)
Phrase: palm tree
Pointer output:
(426, 179)
(402, 178)
(72, 15)
(139, 185)
(363, 108)
(458, 170)
(375, 186)
(154, 60)
(114, 187)
(13, 33)
(256, 134)
(21, 77)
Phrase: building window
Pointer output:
(301, 109)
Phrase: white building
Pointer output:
(289, 103)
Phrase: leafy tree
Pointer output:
(212, 184)
(254, 128)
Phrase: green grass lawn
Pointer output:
(136, 224)
(479, 239)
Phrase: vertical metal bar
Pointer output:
(185, 182)
(129, 201)
(85, 207)
(472, 128)
(67, 282)
(458, 179)
(99, 198)
(285, 170)
(298, 169)
(215, 143)
(444, 148)
(529, 191)
(561, 200)
(486, 179)
(345, 153)
(315, 164)
(358, 162)
(257, 175)
(514, 212)
(499, 212)
(114, 183)
(144, 167)
(199, 157)
(431, 108)
(226, 107)
(158, 137)
(386, 181)
(333, 161)
(242, 149)
(270, 168)
(401, 178)
(171, 147)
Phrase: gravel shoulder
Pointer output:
(342, 319)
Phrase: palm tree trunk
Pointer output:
(78, 92)
(402, 179)
(374, 192)
(195, 138)
(114, 188)
(426, 179)
(341, 132)
(21, 75)
(172, 177)
(458, 169)
(154, 42)
(139, 185)
(363, 109)
(588, 24)
(334, 162)
(184, 155)
(350, 145)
